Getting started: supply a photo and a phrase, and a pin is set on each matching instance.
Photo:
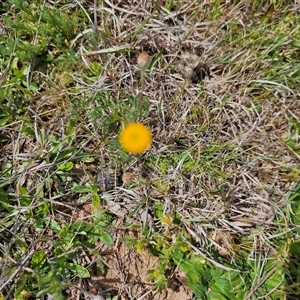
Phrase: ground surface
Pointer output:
(210, 211)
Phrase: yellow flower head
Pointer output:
(135, 138)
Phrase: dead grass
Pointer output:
(218, 157)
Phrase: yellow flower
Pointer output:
(184, 249)
(165, 220)
(135, 138)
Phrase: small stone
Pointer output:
(143, 60)
(191, 68)
(127, 177)
(108, 178)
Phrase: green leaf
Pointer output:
(296, 43)
(106, 238)
(192, 278)
(54, 225)
(102, 218)
(275, 282)
(42, 137)
(25, 198)
(88, 159)
(294, 250)
(186, 266)
(95, 188)
(199, 264)
(4, 201)
(159, 209)
(65, 167)
(63, 154)
(79, 270)
(96, 200)
(64, 231)
(21, 4)
(38, 259)
(4, 120)
(94, 235)
(71, 128)
(82, 189)
(223, 286)
(161, 282)
(177, 256)
(198, 290)
(216, 296)
(131, 242)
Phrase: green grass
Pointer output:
(215, 200)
